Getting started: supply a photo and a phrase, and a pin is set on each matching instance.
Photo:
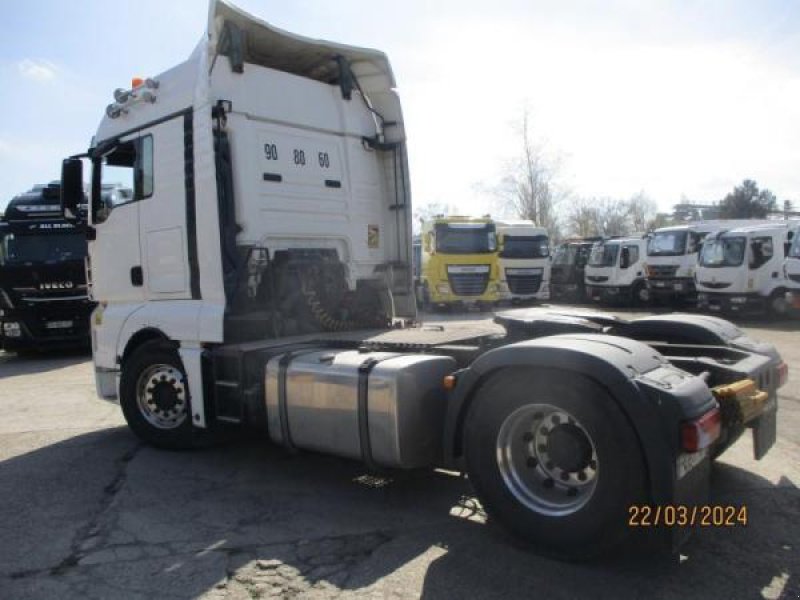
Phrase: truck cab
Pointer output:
(43, 292)
(567, 269)
(741, 269)
(459, 262)
(615, 272)
(524, 261)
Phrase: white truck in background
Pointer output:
(524, 255)
(742, 269)
(615, 272)
(791, 270)
(260, 274)
(672, 257)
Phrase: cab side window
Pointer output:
(762, 251)
(126, 175)
(633, 254)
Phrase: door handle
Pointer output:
(137, 278)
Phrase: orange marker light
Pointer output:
(449, 382)
(136, 82)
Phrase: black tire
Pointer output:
(595, 527)
(777, 306)
(144, 358)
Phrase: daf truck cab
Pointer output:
(524, 252)
(616, 273)
(567, 270)
(791, 270)
(459, 262)
(741, 269)
(44, 301)
(260, 275)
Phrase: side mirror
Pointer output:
(625, 258)
(71, 188)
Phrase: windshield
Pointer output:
(466, 238)
(667, 243)
(794, 252)
(38, 248)
(604, 255)
(723, 252)
(535, 246)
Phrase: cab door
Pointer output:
(115, 253)
(166, 173)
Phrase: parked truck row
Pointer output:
(260, 274)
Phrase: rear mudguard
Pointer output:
(654, 395)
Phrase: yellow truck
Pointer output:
(459, 262)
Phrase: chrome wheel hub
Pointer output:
(547, 459)
(161, 396)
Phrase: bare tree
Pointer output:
(430, 210)
(614, 217)
(641, 211)
(529, 185)
(583, 217)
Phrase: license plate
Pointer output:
(659, 284)
(687, 462)
(678, 287)
(713, 307)
(58, 324)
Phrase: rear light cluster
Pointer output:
(700, 433)
(783, 374)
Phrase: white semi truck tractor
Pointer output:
(524, 261)
(260, 274)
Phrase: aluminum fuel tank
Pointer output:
(384, 408)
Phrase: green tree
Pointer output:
(746, 201)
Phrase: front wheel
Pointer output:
(640, 295)
(553, 460)
(778, 306)
(154, 395)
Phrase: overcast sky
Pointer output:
(673, 98)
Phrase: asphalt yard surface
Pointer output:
(87, 511)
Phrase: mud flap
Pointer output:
(765, 430)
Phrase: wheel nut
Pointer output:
(582, 475)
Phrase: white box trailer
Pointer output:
(260, 275)
(742, 269)
(524, 255)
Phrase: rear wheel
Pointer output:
(154, 395)
(555, 463)
(778, 306)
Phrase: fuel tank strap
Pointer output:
(283, 407)
(364, 371)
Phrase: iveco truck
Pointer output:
(260, 275)
(44, 303)
(742, 269)
(524, 267)
(615, 273)
(459, 262)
